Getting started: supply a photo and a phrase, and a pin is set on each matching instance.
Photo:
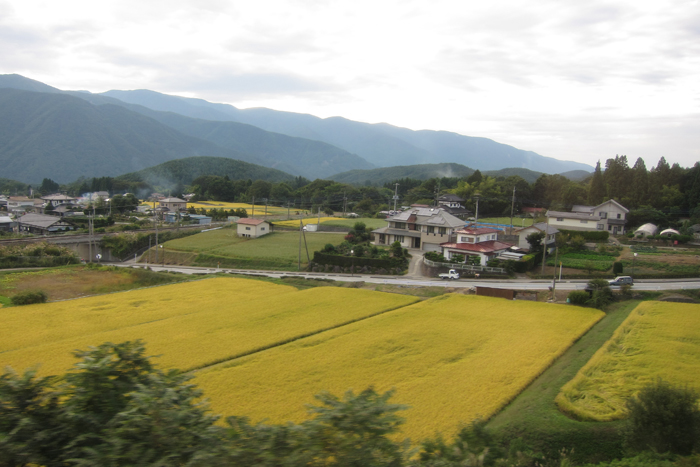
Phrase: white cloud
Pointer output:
(581, 81)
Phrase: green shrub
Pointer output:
(578, 297)
(29, 297)
(664, 418)
(617, 268)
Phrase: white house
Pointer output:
(252, 228)
(474, 241)
(610, 216)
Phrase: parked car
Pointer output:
(621, 280)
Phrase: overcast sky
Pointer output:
(575, 80)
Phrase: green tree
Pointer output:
(596, 191)
(535, 241)
(664, 418)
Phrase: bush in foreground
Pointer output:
(664, 418)
(29, 297)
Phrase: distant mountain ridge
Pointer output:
(123, 131)
(48, 133)
(383, 144)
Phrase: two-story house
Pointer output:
(610, 216)
(419, 227)
(172, 204)
(481, 242)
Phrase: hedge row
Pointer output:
(589, 235)
(527, 262)
(349, 261)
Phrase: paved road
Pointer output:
(513, 284)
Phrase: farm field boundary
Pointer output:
(534, 416)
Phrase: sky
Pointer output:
(582, 81)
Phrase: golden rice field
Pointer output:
(657, 340)
(452, 358)
(191, 325)
(259, 209)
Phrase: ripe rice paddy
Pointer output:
(453, 358)
(657, 340)
(192, 325)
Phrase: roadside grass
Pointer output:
(74, 281)
(534, 417)
(276, 251)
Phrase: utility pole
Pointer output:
(345, 201)
(512, 205)
(396, 196)
(476, 216)
(301, 229)
(265, 209)
(155, 223)
(288, 210)
(252, 215)
(544, 245)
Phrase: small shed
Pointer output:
(252, 228)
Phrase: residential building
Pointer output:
(58, 198)
(7, 224)
(252, 228)
(475, 244)
(536, 228)
(419, 227)
(43, 224)
(453, 205)
(610, 216)
(172, 204)
(21, 204)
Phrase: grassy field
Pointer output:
(658, 340)
(80, 280)
(191, 325)
(452, 358)
(277, 250)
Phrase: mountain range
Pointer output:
(49, 133)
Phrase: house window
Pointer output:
(601, 226)
(431, 229)
(584, 222)
(400, 225)
(247, 228)
(619, 216)
(262, 229)
(442, 230)
(382, 239)
(560, 219)
(603, 215)
(398, 238)
(610, 227)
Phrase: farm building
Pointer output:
(43, 224)
(252, 228)
(646, 230)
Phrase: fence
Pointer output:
(464, 267)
